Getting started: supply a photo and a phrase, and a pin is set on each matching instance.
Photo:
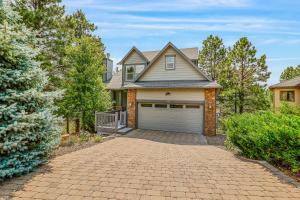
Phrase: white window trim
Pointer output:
(174, 64)
(134, 73)
(126, 78)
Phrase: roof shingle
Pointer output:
(288, 83)
(191, 53)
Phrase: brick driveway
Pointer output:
(136, 167)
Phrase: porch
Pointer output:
(111, 122)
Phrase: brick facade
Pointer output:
(210, 112)
(131, 108)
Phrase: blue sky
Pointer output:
(273, 26)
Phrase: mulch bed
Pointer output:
(61, 150)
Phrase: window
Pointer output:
(147, 105)
(170, 62)
(287, 95)
(176, 106)
(192, 106)
(132, 71)
(160, 105)
(129, 72)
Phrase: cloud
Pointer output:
(281, 41)
(283, 59)
(155, 5)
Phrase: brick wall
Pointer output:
(131, 108)
(210, 112)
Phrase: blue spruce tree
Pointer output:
(28, 128)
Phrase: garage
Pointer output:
(165, 116)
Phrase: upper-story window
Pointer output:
(132, 71)
(170, 62)
(287, 95)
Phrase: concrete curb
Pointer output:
(276, 172)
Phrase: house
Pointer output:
(108, 69)
(287, 91)
(165, 90)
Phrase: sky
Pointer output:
(273, 26)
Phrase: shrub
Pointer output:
(289, 109)
(267, 136)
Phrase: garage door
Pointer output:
(171, 117)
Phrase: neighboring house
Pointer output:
(108, 69)
(286, 91)
(165, 90)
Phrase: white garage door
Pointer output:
(171, 117)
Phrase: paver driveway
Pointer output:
(142, 166)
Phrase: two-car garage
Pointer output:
(180, 110)
(171, 116)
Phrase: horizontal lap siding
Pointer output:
(173, 94)
(183, 70)
(134, 58)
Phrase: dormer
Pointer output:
(133, 64)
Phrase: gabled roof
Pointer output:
(130, 51)
(288, 83)
(191, 53)
(179, 52)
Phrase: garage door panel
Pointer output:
(171, 119)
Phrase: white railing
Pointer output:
(113, 120)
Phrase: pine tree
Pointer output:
(28, 128)
(78, 25)
(290, 73)
(45, 18)
(85, 91)
(246, 77)
(212, 57)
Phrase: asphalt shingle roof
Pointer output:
(191, 53)
(116, 81)
(288, 83)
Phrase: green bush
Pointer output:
(267, 136)
(289, 109)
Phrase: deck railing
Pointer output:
(110, 120)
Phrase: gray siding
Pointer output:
(183, 69)
(174, 94)
(134, 58)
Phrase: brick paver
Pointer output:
(134, 167)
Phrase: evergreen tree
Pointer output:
(28, 128)
(45, 18)
(246, 77)
(85, 91)
(212, 56)
(290, 73)
(78, 25)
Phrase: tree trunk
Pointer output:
(77, 126)
(68, 125)
(241, 107)
(235, 103)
